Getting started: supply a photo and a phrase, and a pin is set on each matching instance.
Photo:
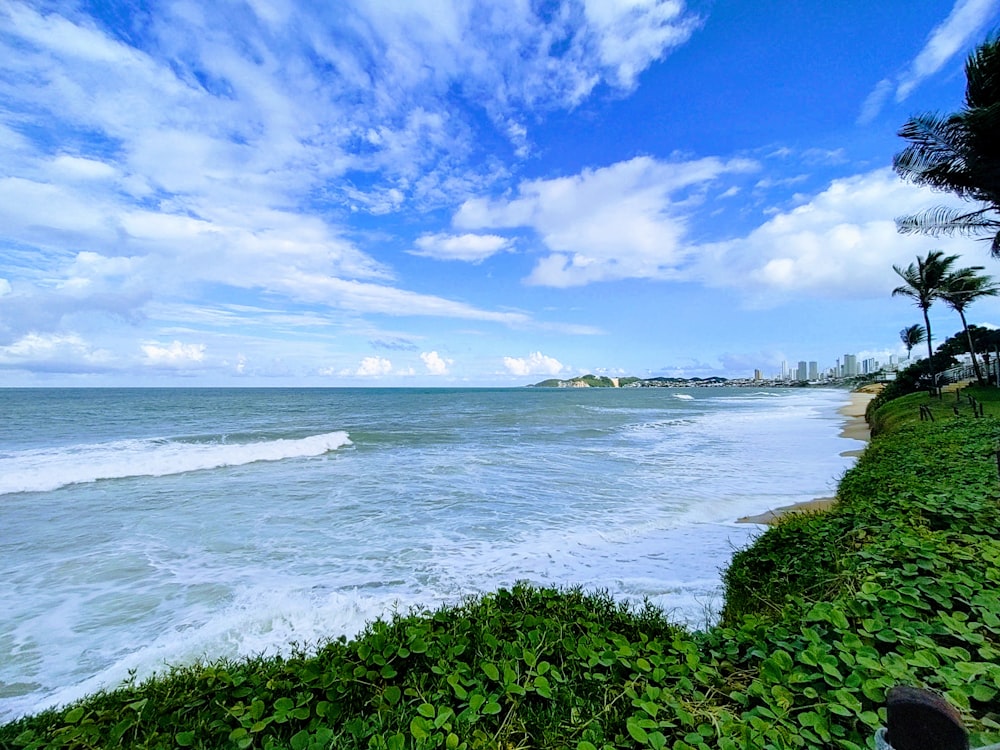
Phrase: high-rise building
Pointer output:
(802, 372)
(850, 365)
(784, 370)
(758, 375)
(814, 371)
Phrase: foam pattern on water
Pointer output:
(154, 528)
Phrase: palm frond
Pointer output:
(936, 153)
(965, 286)
(945, 221)
(934, 136)
(982, 75)
(912, 335)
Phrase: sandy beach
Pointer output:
(855, 428)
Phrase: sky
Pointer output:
(452, 193)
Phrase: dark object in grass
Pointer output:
(921, 720)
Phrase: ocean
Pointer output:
(142, 528)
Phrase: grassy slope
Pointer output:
(900, 583)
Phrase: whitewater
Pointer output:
(143, 528)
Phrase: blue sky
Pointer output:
(423, 193)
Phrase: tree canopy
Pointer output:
(959, 153)
(924, 281)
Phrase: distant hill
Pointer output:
(602, 381)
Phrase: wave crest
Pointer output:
(47, 470)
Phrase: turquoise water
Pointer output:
(146, 527)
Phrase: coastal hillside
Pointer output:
(898, 584)
(603, 381)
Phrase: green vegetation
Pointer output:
(550, 383)
(906, 409)
(592, 381)
(898, 584)
(924, 282)
(911, 336)
(959, 153)
(964, 288)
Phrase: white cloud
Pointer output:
(78, 168)
(875, 101)
(215, 147)
(436, 365)
(5, 287)
(841, 243)
(631, 34)
(54, 352)
(535, 363)
(473, 248)
(373, 367)
(174, 355)
(964, 23)
(618, 222)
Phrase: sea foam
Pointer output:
(51, 469)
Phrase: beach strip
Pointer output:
(855, 428)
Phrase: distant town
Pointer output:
(847, 368)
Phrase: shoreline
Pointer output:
(855, 428)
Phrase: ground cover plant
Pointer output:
(898, 584)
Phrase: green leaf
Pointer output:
(783, 696)
(491, 671)
(782, 660)
(983, 693)
(638, 733)
(426, 709)
(419, 728)
(391, 694)
(184, 739)
(74, 715)
(444, 715)
(848, 700)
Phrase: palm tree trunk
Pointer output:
(972, 351)
(930, 351)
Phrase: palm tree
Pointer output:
(960, 154)
(911, 336)
(962, 288)
(925, 281)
